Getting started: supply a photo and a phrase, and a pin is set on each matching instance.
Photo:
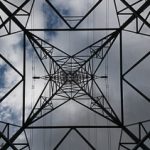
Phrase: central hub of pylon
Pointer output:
(71, 73)
(71, 76)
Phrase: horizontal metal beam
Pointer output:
(77, 29)
(72, 127)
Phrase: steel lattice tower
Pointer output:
(77, 76)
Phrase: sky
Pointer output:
(135, 46)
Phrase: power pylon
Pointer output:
(77, 76)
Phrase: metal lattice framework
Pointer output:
(73, 77)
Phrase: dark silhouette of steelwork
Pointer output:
(72, 77)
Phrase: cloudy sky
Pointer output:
(135, 46)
